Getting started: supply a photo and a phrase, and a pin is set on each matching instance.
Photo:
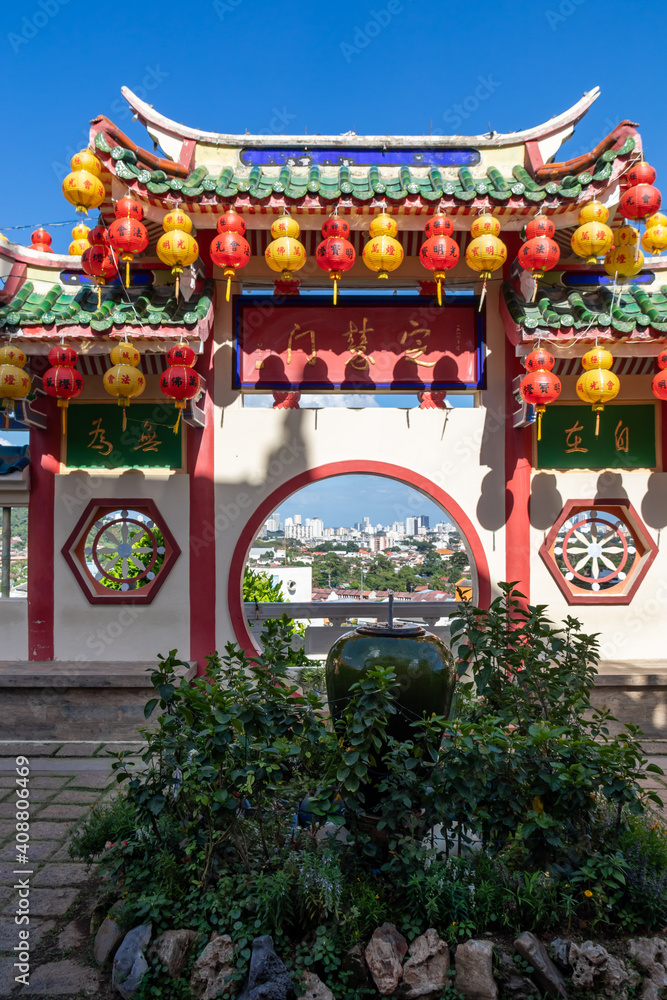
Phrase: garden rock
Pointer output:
(213, 968)
(173, 949)
(268, 978)
(425, 972)
(129, 964)
(108, 937)
(545, 973)
(355, 963)
(560, 951)
(384, 956)
(594, 969)
(651, 955)
(314, 988)
(474, 970)
(515, 985)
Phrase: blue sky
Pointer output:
(344, 500)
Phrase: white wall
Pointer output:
(14, 628)
(126, 632)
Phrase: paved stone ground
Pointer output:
(66, 779)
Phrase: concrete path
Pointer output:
(65, 780)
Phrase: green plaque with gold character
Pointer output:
(627, 437)
(96, 439)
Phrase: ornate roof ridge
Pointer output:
(154, 121)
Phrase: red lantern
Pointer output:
(230, 250)
(439, 225)
(639, 201)
(335, 253)
(62, 380)
(641, 173)
(100, 263)
(179, 381)
(99, 236)
(538, 255)
(540, 226)
(335, 226)
(231, 222)
(127, 235)
(41, 240)
(540, 386)
(659, 384)
(439, 254)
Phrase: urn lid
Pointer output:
(396, 630)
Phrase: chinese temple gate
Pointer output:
(573, 514)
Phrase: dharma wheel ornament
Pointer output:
(335, 253)
(285, 253)
(80, 241)
(124, 380)
(230, 250)
(83, 187)
(62, 380)
(540, 252)
(659, 384)
(127, 235)
(540, 386)
(439, 252)
(382, 253)
(179, 381)
(593, 238)
(41, 240)
(177, 247)
(486, 252)
(14, 382)
(598, 384)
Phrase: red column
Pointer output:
(200, 450)
(44, 465)
(518, 464)
(663, 428)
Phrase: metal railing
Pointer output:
(319, 638)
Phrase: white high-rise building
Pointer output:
(317, 526)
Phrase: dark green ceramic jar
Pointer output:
(423, 664)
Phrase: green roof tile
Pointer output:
(558, 308)
(155, 305)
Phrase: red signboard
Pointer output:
(311, 344)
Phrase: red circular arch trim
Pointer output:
(286, 489)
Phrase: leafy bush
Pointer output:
(249, 814)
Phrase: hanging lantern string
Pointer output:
(127, 294)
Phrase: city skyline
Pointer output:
(344, 501)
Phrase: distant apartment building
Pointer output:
(317, 526)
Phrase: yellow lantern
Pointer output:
(592, 240)
(486, 252)
(626, 236)
(79, 240)
(177, 247)
(485, 225)
(594, 211)
(83, 187)
(657, 219)
(624, 260)
(14, 382)
(654, 240)
(124, 380)
(383, 253)
(598, 384)
(285, 253)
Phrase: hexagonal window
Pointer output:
(598, 553)
(121, 554)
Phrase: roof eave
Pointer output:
(159, 125)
